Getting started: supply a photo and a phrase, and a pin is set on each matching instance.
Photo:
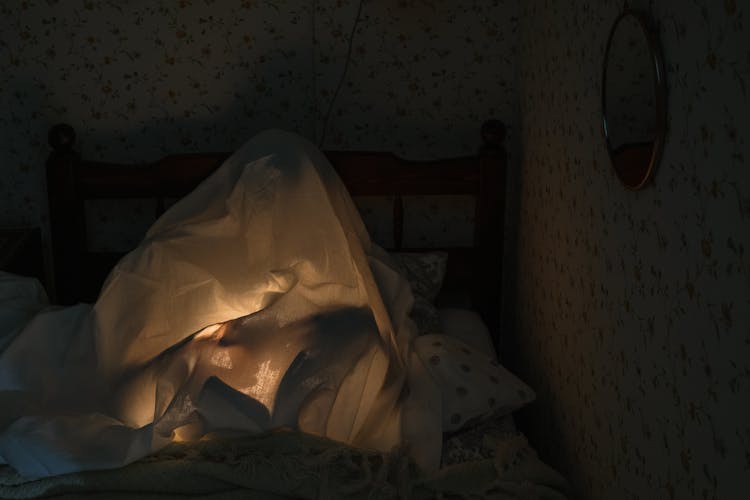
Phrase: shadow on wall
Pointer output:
(205, 124)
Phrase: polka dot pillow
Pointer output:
(425, 271)
(473, 384)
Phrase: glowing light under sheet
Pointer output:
(221, 359)
(267, 382)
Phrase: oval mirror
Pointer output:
(633, 99)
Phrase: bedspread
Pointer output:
(286, 464)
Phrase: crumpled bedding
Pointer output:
(255, 302)
(286, 464)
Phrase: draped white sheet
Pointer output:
(255, 302)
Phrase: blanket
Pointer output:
(287, 464)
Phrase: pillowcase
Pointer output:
(473, 384)
(425, 272)
(425, 316)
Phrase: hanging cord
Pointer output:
(314, 97)
(343, 75)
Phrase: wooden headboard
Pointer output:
(80, 272)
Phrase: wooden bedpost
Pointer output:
(490, 216)
(66, 214)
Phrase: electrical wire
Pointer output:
(314, 97)
(343, 75)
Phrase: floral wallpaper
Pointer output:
(142, 79)
(139, 80)
(632, 317)
(424, 75)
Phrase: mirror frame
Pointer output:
(660, 94)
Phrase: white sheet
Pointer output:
(255, 302)
(271, 238)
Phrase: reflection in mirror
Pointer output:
(633, 98)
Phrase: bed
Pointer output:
(485, 460)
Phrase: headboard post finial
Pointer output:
(61, 137)
(493, 135)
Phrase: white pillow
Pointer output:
(473, 384)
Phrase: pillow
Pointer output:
(473, 384)
(426, 316)
(425, 272)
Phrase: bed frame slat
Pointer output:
(173, 176)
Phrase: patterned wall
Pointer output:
(426, 73)
(633, 317)
(141, 79)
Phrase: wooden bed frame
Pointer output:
(79, 272)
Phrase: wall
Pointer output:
(425, 73)
(632, 320)
(139, 80)
(142, 79)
